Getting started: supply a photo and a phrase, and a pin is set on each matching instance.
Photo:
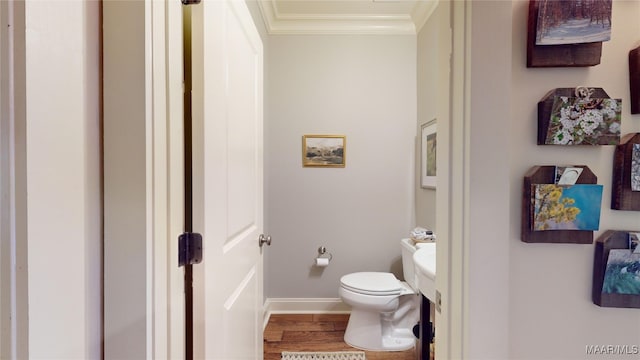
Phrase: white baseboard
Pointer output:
(304, 306)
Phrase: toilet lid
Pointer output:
(372, 283)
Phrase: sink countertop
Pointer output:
(425, 266)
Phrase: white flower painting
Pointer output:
(576, 121)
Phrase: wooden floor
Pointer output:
(311, 332)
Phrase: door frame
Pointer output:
(452, 197)
(14, 323)
(164, 328)
(143, 179)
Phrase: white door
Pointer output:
(227, 180)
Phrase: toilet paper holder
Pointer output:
(323, 254)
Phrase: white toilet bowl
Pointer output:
(384, 310)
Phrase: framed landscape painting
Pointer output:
(573, 22)
(323, 150)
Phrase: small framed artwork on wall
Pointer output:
(324, 150)
(428, 148)
(625, 194)
(559, 35)
(615, 280)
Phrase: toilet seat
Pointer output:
(372, 283)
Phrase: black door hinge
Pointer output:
(189, 248)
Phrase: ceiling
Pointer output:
(345, 16)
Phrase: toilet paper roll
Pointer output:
(322, 262)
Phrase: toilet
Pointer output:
(384, 310)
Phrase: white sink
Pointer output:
(425, 264)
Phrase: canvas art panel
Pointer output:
(622, 274)
(573, 22)
(323, 150)
(584, 121)
(635, 168)
(567, 175)
(634, 241)
(574, 207)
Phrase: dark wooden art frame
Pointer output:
(567, 55)
(622, 197)
(634, 80)
(610, 239)
(546, 175)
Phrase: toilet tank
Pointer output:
(408, 269)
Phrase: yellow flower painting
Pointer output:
(575, 207)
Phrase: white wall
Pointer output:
(427, 68)
(550, 285)
(487, 149)
(62, 179)
(533, 301)
(363, 87)
(433, 99)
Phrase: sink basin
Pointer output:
(425, 266)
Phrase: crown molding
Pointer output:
(278, 23)
(422, 12)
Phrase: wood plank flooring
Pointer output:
(316, 332)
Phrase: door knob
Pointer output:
(264, 240)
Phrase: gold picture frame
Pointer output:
(324, 150)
